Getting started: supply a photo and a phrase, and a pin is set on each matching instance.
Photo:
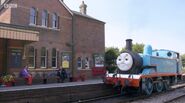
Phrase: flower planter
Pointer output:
(82, 77)
(8, 84)
(8, 80)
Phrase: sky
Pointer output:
(160, 23)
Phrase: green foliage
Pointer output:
(111, 69)
(111, 55)
(138, 48)
(7, 78)
(123, 49)
(183, 60)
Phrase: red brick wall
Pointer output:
(5, 16)
(88, 39)
(49, 38)
(20, 15)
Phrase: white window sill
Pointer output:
(31, 67)
(83, 69)
(44, 27)
(32, 24)
(54, 27)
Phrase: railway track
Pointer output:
(98, 98)
(176, 92)
(119, 98)
(175, 99)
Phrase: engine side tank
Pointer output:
(165, 61)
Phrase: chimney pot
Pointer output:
(129, 44)
(83, 8)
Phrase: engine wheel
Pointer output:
(166, 85)
(148, 87)
(159, 86)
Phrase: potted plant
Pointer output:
(82, 77)
(8, 80)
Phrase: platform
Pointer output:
(54, 93)
(54, 85)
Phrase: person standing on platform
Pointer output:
(26, 75)
(59, 76)
(62, 75)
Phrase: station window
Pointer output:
(79, 62)
(31, 56)
(54, 58)
(15, 58)
(44, 18)
(43, 57)
(98, 60)
(86, 63)
(55, 21)
(33, 16)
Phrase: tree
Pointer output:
(138, 48)
(183, 60)
(111, 55)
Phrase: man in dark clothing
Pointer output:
(61, 73)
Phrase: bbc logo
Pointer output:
(10, 5)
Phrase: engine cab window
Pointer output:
(157, 54)
(169, 54)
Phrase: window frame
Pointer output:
(79, 60)
(43, 56)
(54, 57)
(86, 59)
(34, 57)
(33, 16)
(55, 21)
(44, 18)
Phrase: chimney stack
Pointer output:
(129, 44)
(83, 8)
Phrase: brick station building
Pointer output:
(13, 38)
(58, 38)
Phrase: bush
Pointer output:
(8, 78)
(111, 69)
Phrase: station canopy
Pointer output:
(18, 34)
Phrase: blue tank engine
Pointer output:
(148, 71)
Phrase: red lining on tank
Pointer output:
(136, 82)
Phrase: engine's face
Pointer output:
(124, 61)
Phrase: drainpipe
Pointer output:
(72, 45)
(5, 56)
